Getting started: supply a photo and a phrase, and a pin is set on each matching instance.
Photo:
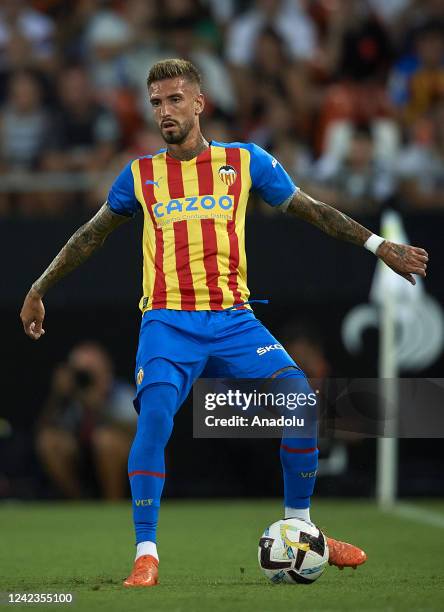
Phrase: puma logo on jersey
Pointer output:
(156, 183)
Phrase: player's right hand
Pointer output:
(32, 315)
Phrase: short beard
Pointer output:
(179, 136)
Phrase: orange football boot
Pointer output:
(145, 572)
(343, 555)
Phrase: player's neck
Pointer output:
(189, 149)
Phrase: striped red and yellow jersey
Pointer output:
(194, 218)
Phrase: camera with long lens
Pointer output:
(83, 379)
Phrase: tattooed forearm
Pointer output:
(328, 219)
(79, 247)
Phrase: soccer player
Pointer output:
(196, 317)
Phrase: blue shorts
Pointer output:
(178, 346)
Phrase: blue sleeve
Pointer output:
(122, 198)
(269, 178)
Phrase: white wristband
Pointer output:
(373, 243)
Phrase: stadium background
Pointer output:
(349, 95)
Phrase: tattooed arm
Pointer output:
(79, 247)
(403, 259)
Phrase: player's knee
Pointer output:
(157, 410)
(295, 379)
(159, 423)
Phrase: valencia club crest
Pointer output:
(227, 174)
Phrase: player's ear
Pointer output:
(199, 103)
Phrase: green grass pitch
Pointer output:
(208, 558)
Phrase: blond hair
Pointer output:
(173, 68)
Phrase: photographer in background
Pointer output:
(88, 423)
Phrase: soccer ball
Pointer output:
(293, 551)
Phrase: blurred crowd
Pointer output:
(347, 94)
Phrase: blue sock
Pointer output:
(299, 460)
(146, 461)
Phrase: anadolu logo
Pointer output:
(227, 175)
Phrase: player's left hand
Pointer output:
(403, 259)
